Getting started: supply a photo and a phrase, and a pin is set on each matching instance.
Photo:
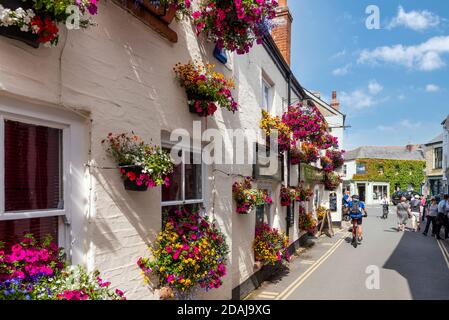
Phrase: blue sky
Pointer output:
(393, 83)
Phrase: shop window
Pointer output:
(32, 171)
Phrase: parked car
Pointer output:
(396, 197)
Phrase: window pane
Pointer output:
(13, 230)
(33, 168)
(193, 183)
(174, 191)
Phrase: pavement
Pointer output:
(388, 265)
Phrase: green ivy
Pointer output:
(400, 173)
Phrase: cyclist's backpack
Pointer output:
(355, 209)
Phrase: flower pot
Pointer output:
(14, 32)
(166, 293)
(131, 184)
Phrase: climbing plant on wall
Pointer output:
(402, 173)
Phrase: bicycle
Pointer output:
(355, 225)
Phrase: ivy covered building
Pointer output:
(372, 172)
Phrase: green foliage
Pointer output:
(400, 173)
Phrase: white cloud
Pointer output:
(340, 54)
(374, 87)
(384, 128)
(406, 123)
(432, 88)
(342, 71)
(415, 20)
(426, 56)
(357, 99)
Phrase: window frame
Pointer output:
(75, 176)
(65, 167)
(267, 84)
(358, 165)
(438, 162)
(203, 200)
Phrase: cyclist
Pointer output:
(357, 211)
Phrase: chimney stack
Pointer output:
(335, 104)
(282, 32)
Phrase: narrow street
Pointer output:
(410, 266)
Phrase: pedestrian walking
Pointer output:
(385, 206)
(403, 212)
(415, 207)
(442, 218)
(432, 213)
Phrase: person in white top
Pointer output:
(385, 206)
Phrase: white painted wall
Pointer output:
(119, 74)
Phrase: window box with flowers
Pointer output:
(36, 21)
(140, 164)
(247, 197)
(206, 89)
(36, 270)
(235, 25)
(189, 252)
(270, 245)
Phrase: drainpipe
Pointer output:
(289, 100)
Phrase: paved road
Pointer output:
(409, 265)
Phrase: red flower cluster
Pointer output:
(235, 24)
(308, 153)
(326, 164)
(288, 195)
(47, 30)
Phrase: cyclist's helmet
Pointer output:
(355, 197)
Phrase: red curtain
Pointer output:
(12, 231)
(32, 167)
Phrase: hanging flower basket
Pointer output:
(326, 164)
(270, 245)
(303, 194)
(307, 222)
(142, 166)
(247, 197)
(36, 21)
(205, 88)
(288, 196)
(331, 181)
(270, 124)
(307, 153)
(336, 156)
(235, 25)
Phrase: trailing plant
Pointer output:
(235, 24)
(140, 163)
(183, 7)
(270, 245)
(43, 17)
(247, 197)
(205, 88)
(401, 173)
(307, 153)
(306, 221)
(189, 252)
(33, 270)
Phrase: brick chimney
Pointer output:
(335, 104)
(282, 32)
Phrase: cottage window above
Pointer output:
(361, 168)
(438, 158)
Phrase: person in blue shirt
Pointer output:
(357, 211)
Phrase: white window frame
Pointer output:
(435, 158)
(74, 135)
(185, 151)
(267, 84)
